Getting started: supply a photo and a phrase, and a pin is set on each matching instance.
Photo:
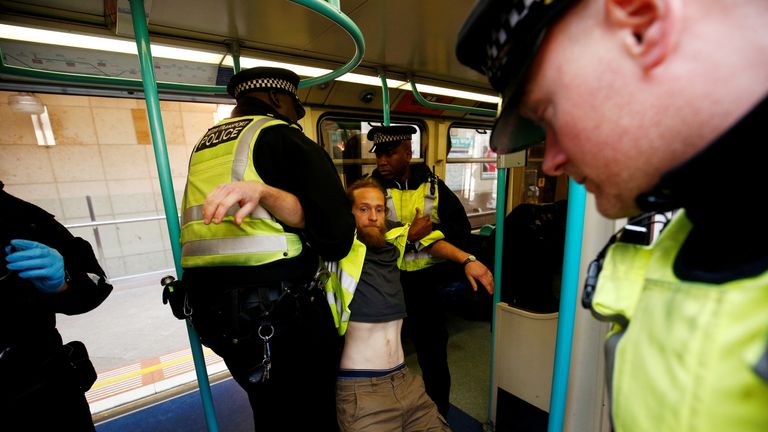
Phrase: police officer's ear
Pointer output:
(284, 103)
(407, 147)
(274, 99)
(651, 27)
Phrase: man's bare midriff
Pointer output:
(372, 346)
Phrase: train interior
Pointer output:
(79, 137)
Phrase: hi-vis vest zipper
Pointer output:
(682, 356)
(401, 207)
(345, 274)
(224, 155)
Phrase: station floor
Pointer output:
(112, 394)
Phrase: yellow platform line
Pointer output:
(103, 383)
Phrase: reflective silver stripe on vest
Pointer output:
(391, 210)
(346, 281)
(241, 161)
(429, 204)
(195, 213)
(761, 368)
(237, 245)
(414, 256)
(611, 344)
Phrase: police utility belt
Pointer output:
(253, 299)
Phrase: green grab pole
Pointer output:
(501, 206)
(384, 97)
(435, 105)
(236, 56)
(574, 231)
(334, 13)
(334, 3)
(166, 185)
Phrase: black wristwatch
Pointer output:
(469, 259)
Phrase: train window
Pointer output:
(344, 139)
(97, 174)
(470, 172)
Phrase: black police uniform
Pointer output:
(227, 302)
(425, 323)
(39, 387)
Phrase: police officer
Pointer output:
(45, 270)
(249, 256)
(644, 102)
(416, 196)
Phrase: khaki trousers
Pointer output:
(394, 402)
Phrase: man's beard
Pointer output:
(373, 238)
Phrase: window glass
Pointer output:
(539, 188)
(95, 171)
(345, 141)
(471, 172)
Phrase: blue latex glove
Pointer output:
(42, 265)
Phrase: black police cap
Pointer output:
(500, 39)
(265, 79)
(384, 137)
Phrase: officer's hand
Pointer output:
(247, 194)
(42, 265)
(420, 227)
(477, 270)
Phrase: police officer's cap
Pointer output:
(500, 39)
(385, 137)
(265, 79)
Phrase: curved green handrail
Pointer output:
(434, 105)
(336, 15)
(320, 6)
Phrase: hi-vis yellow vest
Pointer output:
(224, 155)
(401, 207)
(345, 274)
(688, 359)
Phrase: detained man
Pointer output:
(375, 391)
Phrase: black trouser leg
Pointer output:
(300, 393)
(427, 329)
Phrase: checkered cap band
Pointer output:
(496, 58)
(265, 83)
(382, 138)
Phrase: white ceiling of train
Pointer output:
(409, 36)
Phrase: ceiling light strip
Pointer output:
(101, 43)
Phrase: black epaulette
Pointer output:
(432, 181)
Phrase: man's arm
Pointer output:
(474, 270)
(454, 223)
(288, 160)
(59, 265)
(247, 195)
(421, 226)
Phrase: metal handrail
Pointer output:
(435, 105)
(470, 160)
(384, 97)
(113, 222)
(330, 11)
(481, 213)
